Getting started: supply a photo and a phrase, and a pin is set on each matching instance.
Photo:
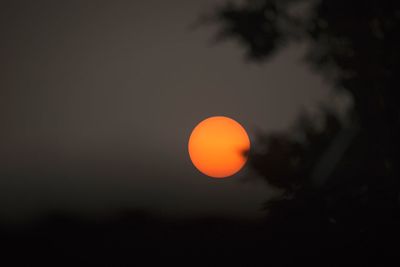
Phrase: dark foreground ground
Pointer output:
(137, 239)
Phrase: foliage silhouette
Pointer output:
(341, 183)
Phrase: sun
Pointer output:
(217, 146)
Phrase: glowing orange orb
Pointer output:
(217, 146)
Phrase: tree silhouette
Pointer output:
(341, 183)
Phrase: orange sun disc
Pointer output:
(217, 146)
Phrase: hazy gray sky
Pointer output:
(98, 99)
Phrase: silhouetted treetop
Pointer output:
(355, 45)
(341, 183)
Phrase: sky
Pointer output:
(98, 100)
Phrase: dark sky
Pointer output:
(98, 99)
